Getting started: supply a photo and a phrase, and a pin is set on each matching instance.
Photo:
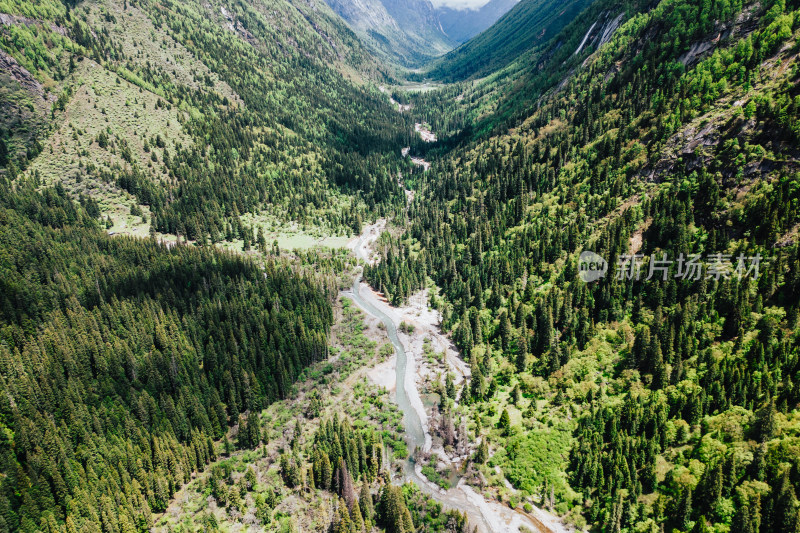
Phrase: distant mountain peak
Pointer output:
(463, 20)
(406, 31)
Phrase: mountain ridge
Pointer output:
(463, 24)
(407, 32)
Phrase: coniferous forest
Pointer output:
(124, 361)
(679, 391)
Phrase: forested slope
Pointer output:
(515, 70)
(678, 136)
(198, 112)
(527, 25)
(121, 361)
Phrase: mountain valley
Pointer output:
(364, 266)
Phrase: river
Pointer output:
(488, 516)
(414, 432)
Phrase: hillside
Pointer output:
(122, 361)
(649, 398)
(580, 232)
(127, 361)
(527, 25)
(509, 89)
(250, 108)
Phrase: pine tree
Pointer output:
(356, 518)
(683, 516)
(758, 466)
(450, 386)
(711, 489)
(482, 453)
(342, 522)
(765, 424)
(344, 484)
(659, 367)
(476, 383)
(504, 424)
(505, 332)
(393, 512)
(3, 153)
(641, 345)
(544, 331)
(785, 511)
(365, 504)
(522, 354)
(325, 472)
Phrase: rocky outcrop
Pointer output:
(11, 20)
(600, 32)
(20, 74)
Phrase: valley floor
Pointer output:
(359, 381)
(431, 355)
(356, 378)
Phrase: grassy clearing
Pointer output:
(126, 115)
(111, 124)
(292, 235)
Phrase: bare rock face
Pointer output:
(24, 105)
(407, 31)
(364, 14)
(18, 73)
